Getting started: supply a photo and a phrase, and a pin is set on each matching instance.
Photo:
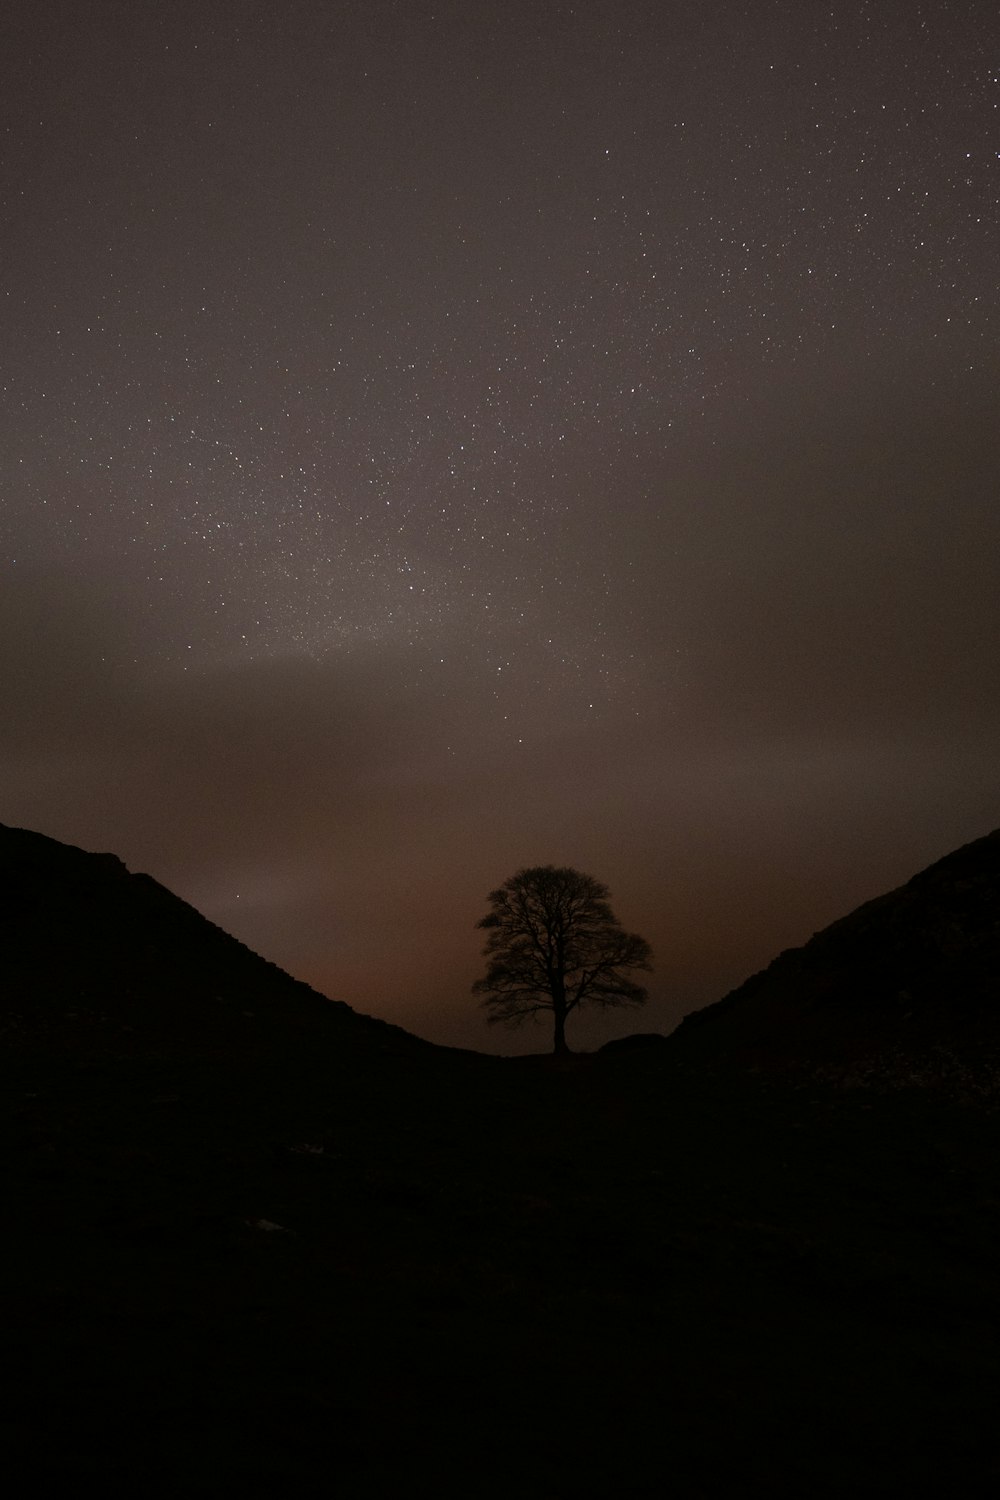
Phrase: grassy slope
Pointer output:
(496, 1277)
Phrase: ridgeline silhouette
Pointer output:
(902, 990)
(131, 965)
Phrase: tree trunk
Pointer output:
(557, 983)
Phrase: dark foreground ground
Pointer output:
(492, 1278)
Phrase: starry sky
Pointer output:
(438, 438)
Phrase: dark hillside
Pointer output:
(909, 982)
(102, 961)
(255, 1243)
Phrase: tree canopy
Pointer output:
(554, 945)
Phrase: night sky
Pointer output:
(439, 438)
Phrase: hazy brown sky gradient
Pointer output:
(443, 438)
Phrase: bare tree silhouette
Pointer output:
(555, 945)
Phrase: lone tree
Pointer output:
(554, 945)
